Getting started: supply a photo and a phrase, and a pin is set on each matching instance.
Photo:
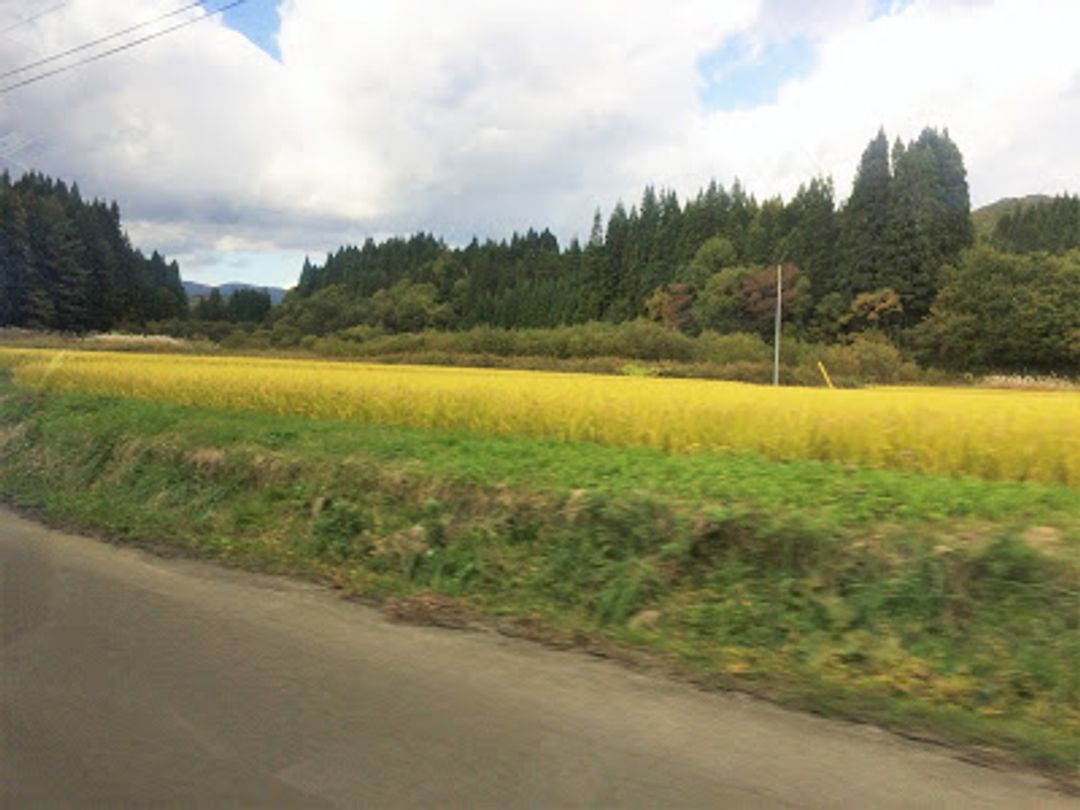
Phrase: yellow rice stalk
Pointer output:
(1018, 435)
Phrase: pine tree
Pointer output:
(616, 303)
(211, 307)
(955, 231)
(811, 244)
(915, 230)
(14, 257)
(61, 258)
(765, 234)
(862, 250)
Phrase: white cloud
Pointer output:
(481, 117)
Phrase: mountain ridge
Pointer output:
(196, 289)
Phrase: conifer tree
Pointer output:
(862, 250)
(811, 243)
(616, 249)
(14, 256)
(955, 231)
(915, 232)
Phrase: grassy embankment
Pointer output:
(930, 604)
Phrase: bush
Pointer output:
(256, 339)
(284, 336)
(869, 358)
(736, 347)
(361, 333)
(645, 340)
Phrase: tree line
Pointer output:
(67, 265)
(1052, 226)
(895, 261)
(693, 265)
(240, 306)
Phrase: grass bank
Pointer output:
(937, 605)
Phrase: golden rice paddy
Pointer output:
(998, 434)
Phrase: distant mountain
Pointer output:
(196, 290)
(987, 217)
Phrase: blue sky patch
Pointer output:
(738, 78)
(257, 20)
(886, 8)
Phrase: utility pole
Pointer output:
(776, 336)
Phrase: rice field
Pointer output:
(995, 434)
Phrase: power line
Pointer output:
(120, 48)
(33, 17)
(49, 59)
(11, 144)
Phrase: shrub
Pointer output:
(869, 358)
(736, 347)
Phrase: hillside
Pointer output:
(986, 217)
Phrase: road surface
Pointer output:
(131, 680)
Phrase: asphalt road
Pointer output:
(131, 680)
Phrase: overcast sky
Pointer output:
(241, 143)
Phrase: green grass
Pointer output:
(940, 605)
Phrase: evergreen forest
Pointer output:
(67, 265)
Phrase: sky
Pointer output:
(244, 142)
